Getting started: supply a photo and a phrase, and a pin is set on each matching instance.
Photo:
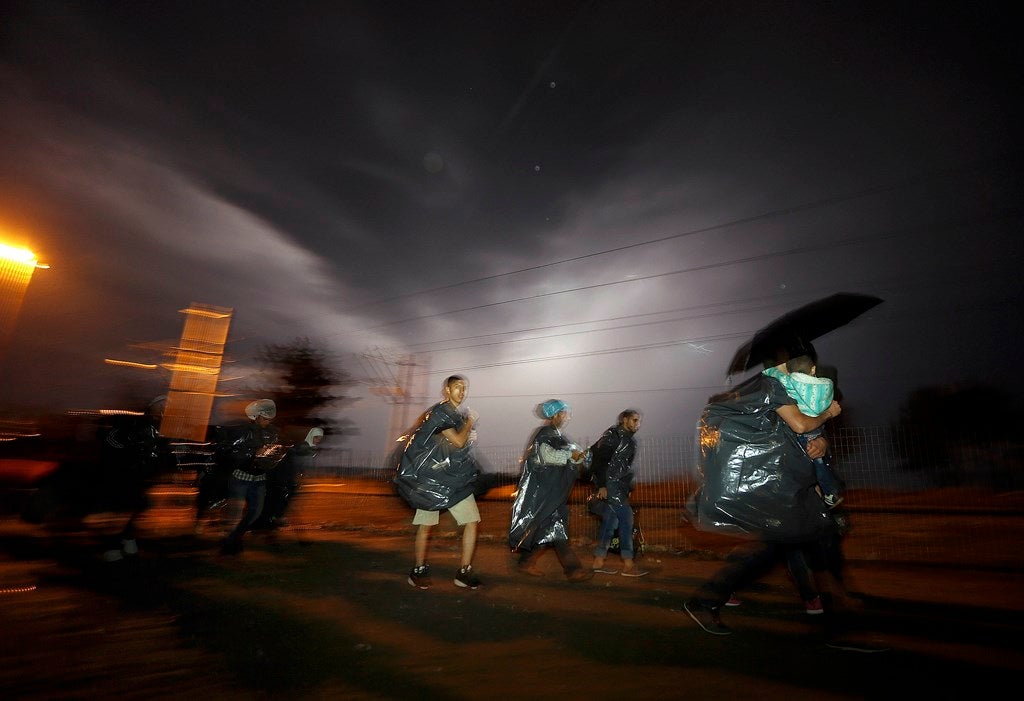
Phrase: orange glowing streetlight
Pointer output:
(16, 268)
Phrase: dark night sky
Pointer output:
(594, 200)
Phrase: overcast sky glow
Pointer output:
(594, 200)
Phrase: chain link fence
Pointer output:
(903, 486)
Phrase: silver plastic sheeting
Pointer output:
(757, 481)
(539, 512)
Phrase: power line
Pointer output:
(809, 248)
(814, 204)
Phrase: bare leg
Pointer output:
(422, 538)
(468, 543)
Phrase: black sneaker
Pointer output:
(419, 577)
(467, 578)
(706, 617)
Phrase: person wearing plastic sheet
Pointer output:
(132, 453)
(436, 472)
(540, 512)
(213, 473)
(611, 463)
(758, 484)
(283, 480)
(252, 450)
(813, 395)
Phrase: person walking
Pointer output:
(540, 512)
(758, 483)
(611, 463)
(283, 480)
(252, 450)
(436, 472)
(132, 453)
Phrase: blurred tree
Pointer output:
(310, 383)
(958, 433)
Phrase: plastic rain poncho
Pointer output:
(757, 481)
(432, 474)
(611, 462)
(539, 512)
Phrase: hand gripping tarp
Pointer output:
(432, 474)
(757, 481)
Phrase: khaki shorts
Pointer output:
(464, 512)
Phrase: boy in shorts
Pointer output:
(440, 449)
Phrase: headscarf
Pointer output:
(314, 433)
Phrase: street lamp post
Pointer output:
(16, 268)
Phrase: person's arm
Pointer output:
(816, 448)
(555, 456)
(600, 454)
(802, 423)
(460, 437)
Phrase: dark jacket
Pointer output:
(248, 448)
(612, 463)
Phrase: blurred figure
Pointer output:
(438, 471)
(758, 482)
(611, 462)
(252, 450)
(540, 512)
(212, 476)
(813, 396)
(283, 481)
(132, 454)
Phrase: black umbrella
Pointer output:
(791, 334)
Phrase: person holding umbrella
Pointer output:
(758, 483)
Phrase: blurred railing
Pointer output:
(899, 481)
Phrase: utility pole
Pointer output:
(394, 377)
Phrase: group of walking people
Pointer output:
(763, 460)
(767, 478)
(437, 471)
(247, 470)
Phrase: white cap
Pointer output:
(261, 407)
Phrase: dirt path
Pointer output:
(325, 613)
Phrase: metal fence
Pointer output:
(903, 487)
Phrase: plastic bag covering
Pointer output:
(433, 474)
(758, 482)
(539, 513)
(612, 456)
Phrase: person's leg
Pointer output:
(744, 564)
(800, 571)
(609, 522)
(422, 539)
(626, 546)
(567, 557)
(468, 543)
(467, 515)
(255, 497)
(419, 576)
(238, 505)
